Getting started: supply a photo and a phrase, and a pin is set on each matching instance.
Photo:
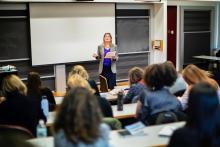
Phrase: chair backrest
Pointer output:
(166, 117)
(15, 131)
(103, 84)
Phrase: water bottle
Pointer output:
(41, 129)
(45, 105)
(120, 101)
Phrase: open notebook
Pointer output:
(167, 131)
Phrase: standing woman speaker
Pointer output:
(107, 56)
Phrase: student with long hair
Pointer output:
(202, 128)
(17, 108)
(35, 89)
(78, 69)
(193, 75)
(78, 121)
(76, 80)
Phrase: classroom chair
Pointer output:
(15, 131)
(103, 84)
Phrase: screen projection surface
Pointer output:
(65, 32)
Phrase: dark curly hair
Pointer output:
(153, 77)
(169, 73)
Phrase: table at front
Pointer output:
(110, 96)
(129, 111)
(151, 139)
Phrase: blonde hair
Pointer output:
(78, 69)
(193, 75)
(76, 80)
(12, 83)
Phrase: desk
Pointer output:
(210, 60)
(123, 87)
(129, 111)
(205, 57)
(151, 139)
(110, 97)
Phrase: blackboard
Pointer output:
(14, 38)
(197, 34)
(133, 35)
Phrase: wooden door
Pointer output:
(171, 33)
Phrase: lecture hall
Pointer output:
(109, 73)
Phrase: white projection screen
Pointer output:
(68, 32)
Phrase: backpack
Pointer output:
(166, 117)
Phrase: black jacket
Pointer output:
(20, 110)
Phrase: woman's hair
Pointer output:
(203, 112)
(12, 83)
(169, 73)
(193, 74)
(79, 116)
(78, 69)
(109, 35)
(76, 80)
(153, 77)
(34, 84)
(135, 75)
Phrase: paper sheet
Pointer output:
(110, 54)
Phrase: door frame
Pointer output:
(181, 35)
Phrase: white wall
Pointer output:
(159, 31)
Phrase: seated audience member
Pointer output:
(180, 85)
(36, 91)
(78, 121)
(156, 98)
(78, 81)
(202, 126)
(136, 85)
(78, 69)
(17, 108)
(192, 75)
